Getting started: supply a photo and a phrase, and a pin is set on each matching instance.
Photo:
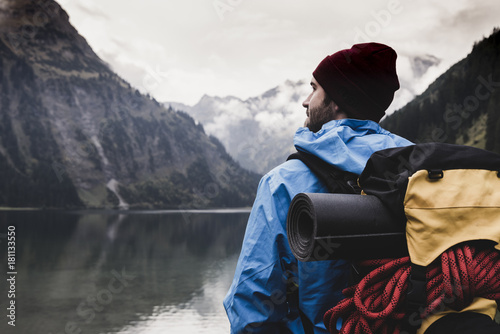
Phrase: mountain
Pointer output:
(74, 134)
(461, 106)
(257, 132)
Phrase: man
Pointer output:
(351, 91)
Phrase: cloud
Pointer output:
(260, 44)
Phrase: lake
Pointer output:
(118, 272)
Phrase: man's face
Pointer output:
(320, 108)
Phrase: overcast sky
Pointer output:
(179, 50)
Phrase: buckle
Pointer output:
(436, 174)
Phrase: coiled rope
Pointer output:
(376, 303)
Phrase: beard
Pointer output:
(321, 114)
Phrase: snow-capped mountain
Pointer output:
(257, 132)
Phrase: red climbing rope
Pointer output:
(376, 304)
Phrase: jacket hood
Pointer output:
(347, 143)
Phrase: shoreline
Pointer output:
(134, 211)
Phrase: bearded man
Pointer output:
(351, 89)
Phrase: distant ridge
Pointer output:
(256, 132)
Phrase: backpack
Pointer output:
(449, 196)
(421, 190)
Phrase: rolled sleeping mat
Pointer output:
(343, 226)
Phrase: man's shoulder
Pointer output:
(293, 175)
(291, 166)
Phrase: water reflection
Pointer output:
(142, 272)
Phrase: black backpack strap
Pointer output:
(336, 180)
(415, 298)
(292, 293)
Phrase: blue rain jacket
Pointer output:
(257, 300)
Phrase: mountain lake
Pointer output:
(117, 272)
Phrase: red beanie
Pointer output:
(360, 80)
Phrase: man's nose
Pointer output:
(305, 104)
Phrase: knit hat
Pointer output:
(360, 80)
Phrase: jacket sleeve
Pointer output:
(256, 301)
